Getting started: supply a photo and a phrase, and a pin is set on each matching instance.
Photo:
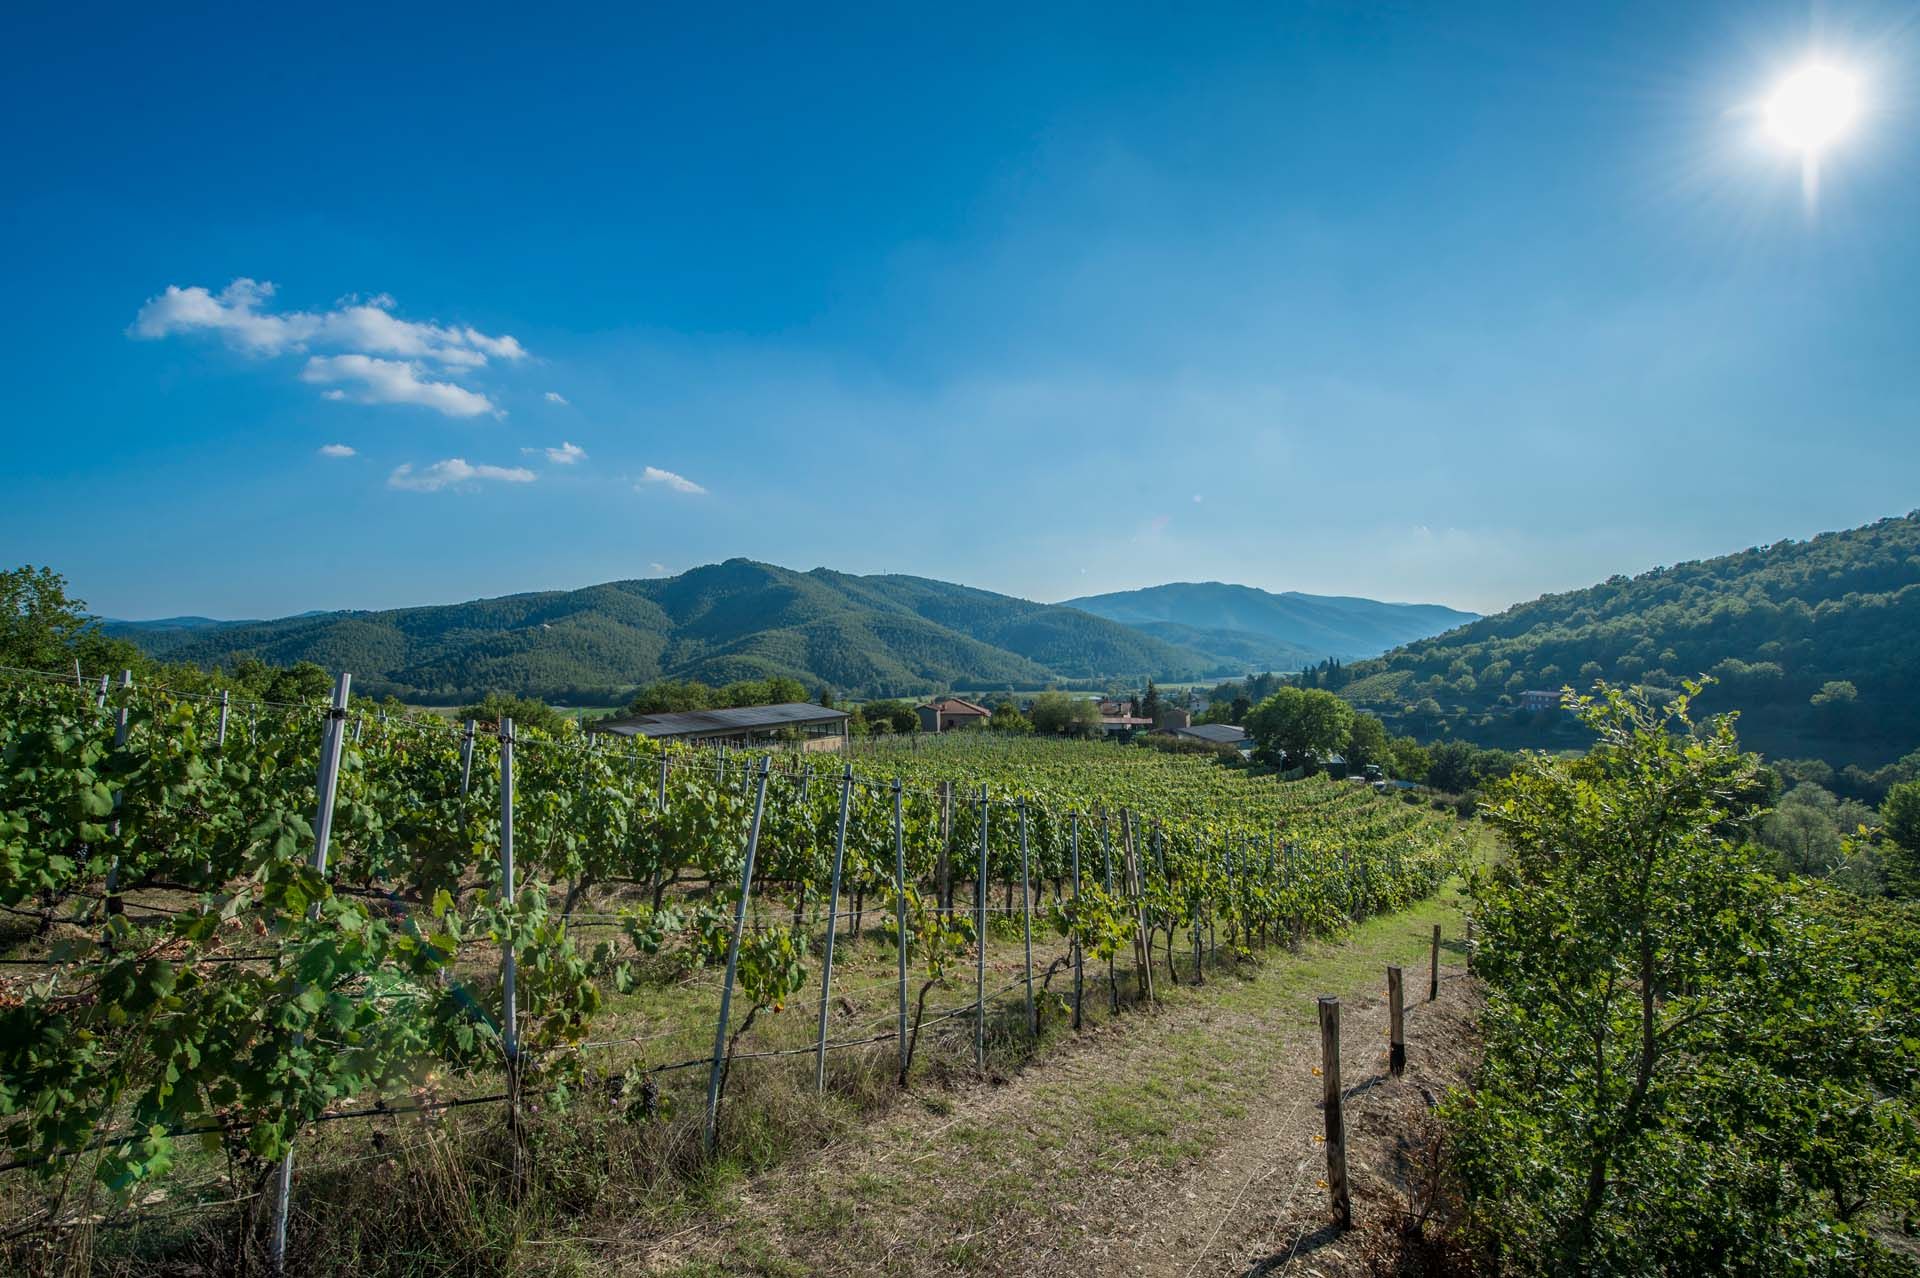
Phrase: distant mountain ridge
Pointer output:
(882, 635)
(1280, 631)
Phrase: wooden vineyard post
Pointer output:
(1330, 1104)
(509, 995)
(980, 942)
(833, 917)
(220, 733)
(100, 702)
(1026, 918)
(733, 963)
(1433, 977)
(900, 923)
(1396, 1023)
(1079, 955)
(328, 780)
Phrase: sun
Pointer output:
(1813, 108)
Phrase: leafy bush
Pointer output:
(1691, 1067)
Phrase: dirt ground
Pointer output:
(1176, 1141)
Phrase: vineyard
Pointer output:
(232, 927)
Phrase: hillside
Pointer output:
(1268, 631)
(1775, 624)
(881, 635)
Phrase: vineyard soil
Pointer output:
(1180, 1143)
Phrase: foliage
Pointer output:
(1901, 816)
(277, 992)
(1789, 629)
(525, 712)
(1689, 1068)
(1300, 726)
(42, 629)
(1006, 717)
(1059, 714)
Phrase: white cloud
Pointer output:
(555, 397)
(1197, 499)
(387, 381)
(565, 455)
(659, 568)
(679, 483)
(335, 450)
(359, 328)
(453, 471)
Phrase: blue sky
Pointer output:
(1457, 303)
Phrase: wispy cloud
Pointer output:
(391, 381)
(335, 450)
(454, 471)
(555, 397)
(361, 328)
(659, 568)
(679, 483)
(565, 455)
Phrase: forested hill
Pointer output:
(882, 635)
(1816, 642)
(1270, 631)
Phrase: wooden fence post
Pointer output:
(1433, 979)
(1396, 1024)
(1331, 1104)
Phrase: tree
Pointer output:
(1688, 1069)
(671, 696)
(1061, 715)
(524, 711)
(1367, 743)
(890, 716)
(1900, 814)
(1006, 717)
(1299, 725)
(42, 629)
(1150, 705)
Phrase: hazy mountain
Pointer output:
(739, 619)
(1267, 630)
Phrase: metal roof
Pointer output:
(1225, 733)
(701, 723)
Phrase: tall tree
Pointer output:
(1298, 726)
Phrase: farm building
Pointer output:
(948, 713)
(1218, 733)
(817, 727)
(1536, 699)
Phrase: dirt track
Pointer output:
(1174, 1142)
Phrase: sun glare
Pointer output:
(1813, 108)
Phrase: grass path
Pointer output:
(1178, 1141)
